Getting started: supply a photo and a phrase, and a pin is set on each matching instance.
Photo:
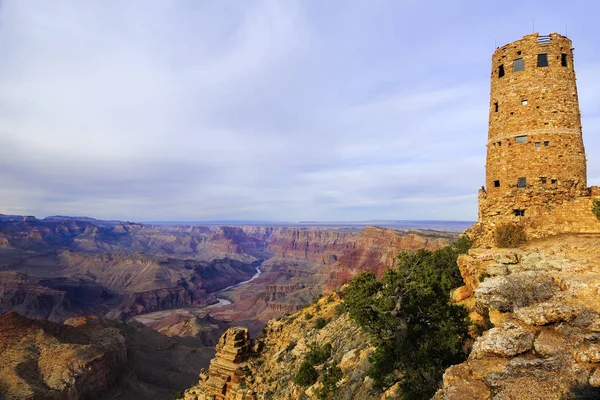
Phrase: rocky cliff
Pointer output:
(376, 249)
(90, 358)
(265, 368)
(543, 306)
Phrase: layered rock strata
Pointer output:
(226, 376)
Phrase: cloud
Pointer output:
(265, 109)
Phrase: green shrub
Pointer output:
(318, 354)
(307, 374)
(332, 375)
(339, 309)
(596, 208)
(509, 235)
(290, 346)
(321, 322)
(178, 395)
(415, 328)
(308, 316)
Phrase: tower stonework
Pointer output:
(536, 162)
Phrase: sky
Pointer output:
(289, 110)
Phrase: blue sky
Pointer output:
(266, 110)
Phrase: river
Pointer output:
(224, 302)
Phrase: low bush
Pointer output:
(318, 354)
(290, 346)
(321, 322)
(509, 235)
(308, 316)
(307, 374)
(524, 290)
(332, 375)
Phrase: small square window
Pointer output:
(563, 60)
(522, 183)
(521, 139)
(519, 213)
(518, 65)
(542, 60)
(546, 143)
(499, 144)
(524, 102)
(501, 71)
(553, 181)
(537, 144)
(543, 180)
(496, 107)
(496, 183)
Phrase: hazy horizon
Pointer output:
(262, 110)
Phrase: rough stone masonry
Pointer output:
(536, 162)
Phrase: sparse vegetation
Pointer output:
(308, 316)
(339, 309)
(332, 375)
(307, 374)
(416, 330)
(321, 322)
(318, 354)
(509, 235)
(524, 290)
(290, 346)
(178, 395)
(596, 208)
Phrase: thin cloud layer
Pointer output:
(266, 110)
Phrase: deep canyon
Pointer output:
(186, 282)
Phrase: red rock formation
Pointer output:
(376, 249)
(310, 244)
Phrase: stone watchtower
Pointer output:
(536, 163)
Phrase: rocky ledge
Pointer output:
(542, 301)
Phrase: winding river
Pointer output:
(224, 302)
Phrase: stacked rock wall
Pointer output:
(536, 163)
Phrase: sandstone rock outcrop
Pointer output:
(542, 300)
(226, 376)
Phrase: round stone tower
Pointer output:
(534, 138)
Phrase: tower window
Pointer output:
(501, 71)
(537, 144)
(522, 183)
(496, 183)
(519, 213)
(542, 60)
(518, 65)
(546, 143)
(496, 107)
(543, 180)
(553, 181)
(524, 102)
(563, 60)
(521, 139)
(499, 144)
